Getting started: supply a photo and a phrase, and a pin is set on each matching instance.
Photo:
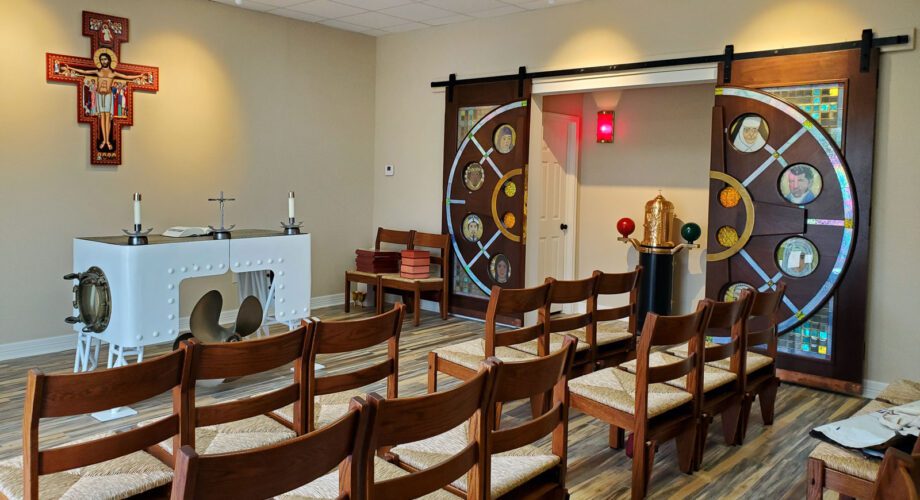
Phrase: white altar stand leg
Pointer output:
(87, 356)
(118, 357)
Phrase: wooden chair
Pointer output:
(759, 378)
(462, 360)
(642, 403)
(899, 475)
(248, 422)
(615, 339)
(298, 467)
(409, 421)
(331, 394)
(434, 287)
(513, 467)
(110, 465)
(394, 237)
(579, 325)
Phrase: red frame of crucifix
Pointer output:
(106, 34)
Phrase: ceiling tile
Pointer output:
(335, 23)
(405, 27)
(466, 6)
(374, 4)
(248, 4)
(373, 20)
(418, 12)
(453, 18)
(303, 16)
(278, 3)
(327, 9)
(375, 32)
(498, 11)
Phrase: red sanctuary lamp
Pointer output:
(605, 126)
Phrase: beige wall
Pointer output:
(409, 117)
(661, 142)
(250, 103)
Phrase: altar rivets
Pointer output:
(195, 267)
(140, 337)
(248, 263)
(236, 264)
(280, 287)
(172, 332)
(281, 300)
(183, 269)
(170, 270)
(281, 313)
(259, 262)
(269, 261)
(170, 286)
(220, 266)
(293, 311)
(208, 267)
(306, 309)
(171, 316)
(280, 260)
(156, 334)
(280, 273)
(171, 301)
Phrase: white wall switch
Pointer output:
(389, 170)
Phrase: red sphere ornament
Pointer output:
(626, 226)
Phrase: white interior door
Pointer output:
(559, 165)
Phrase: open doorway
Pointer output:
(661, 142)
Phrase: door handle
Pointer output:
(563, 226)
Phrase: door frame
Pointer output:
(653, 77)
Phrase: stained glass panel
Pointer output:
(825, 103)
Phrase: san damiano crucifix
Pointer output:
(105, 86)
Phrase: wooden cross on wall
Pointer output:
(105, 85)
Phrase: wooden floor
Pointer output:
(771, 463)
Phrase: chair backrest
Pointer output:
(279, 468)
(393, 237)
(439, 241)
(333, 337)
(512, 301)
(238, 359)
(525, 379)
(617, 284)
(70, 394)
(406, 420)
(572, 292)
(668, 331)
(763, 319)
(728, 319)
(899, 475)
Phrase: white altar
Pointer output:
(143, 282)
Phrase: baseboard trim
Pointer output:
(49, 345)
(872, 388)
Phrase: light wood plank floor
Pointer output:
(771, 464)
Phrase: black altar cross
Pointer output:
(105, 85)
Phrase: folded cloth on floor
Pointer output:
(880, 429)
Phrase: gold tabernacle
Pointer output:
(659, 214)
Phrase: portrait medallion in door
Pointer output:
(504, 138)
(800, 184)
(500, 269)
(472, 228)
(749, 133)
(473, 176)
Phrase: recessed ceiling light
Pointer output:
(238, 2)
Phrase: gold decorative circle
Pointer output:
(733, 291)
(495, 218)
(510, 189)
(748, 221)
(727, 236)
(508, 220)
(113, 58)
(729, 197)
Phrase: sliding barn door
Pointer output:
(790, 188)
(485, 190)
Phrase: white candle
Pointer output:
(137, 208)
(291, 205)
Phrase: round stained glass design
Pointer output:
(727, 236)
(729, 197)
(510, 189)
(733, 291)
(509, 220)
(797, 257)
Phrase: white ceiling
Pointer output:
(381, 17)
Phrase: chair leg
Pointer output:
(814, 483)
(347, 295)
(617, 438)
(643, 458)
(432, 372)
(768, 401)
(687, 449)
(417, 307)
(702, 432)
(443, 304)
(536, 404)
(498, 415)
(731, 419)
(378, 296)
(745, 415)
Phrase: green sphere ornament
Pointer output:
(690, 232)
